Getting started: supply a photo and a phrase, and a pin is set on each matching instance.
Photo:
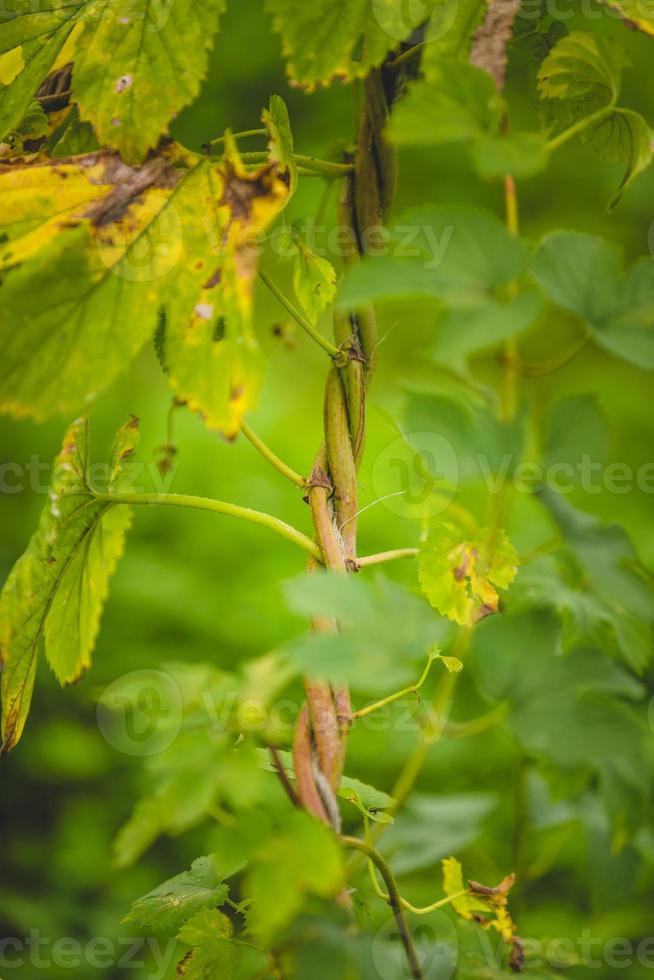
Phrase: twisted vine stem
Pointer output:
(321, 735)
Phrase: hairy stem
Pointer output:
(217, 507)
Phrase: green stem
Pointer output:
(412, 689)
(246, 132)
(465, 729)
(579, 127)
(406, 56)
(301, 320)
(383, 556)
(268, 454)
(326, 168)
(393, 899)
(416, 909)
(509, 392)
(217, 507)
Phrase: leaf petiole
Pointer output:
(579, 127)
(272, 458)
(217, 507)
(412, 689)
(383, 556)
(301, 320)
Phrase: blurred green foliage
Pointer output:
(559, 791)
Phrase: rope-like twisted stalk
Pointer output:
(324, 722)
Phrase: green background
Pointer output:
(199, 587)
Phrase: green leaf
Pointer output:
(584, 275)
(179, 898)
(577, 429)
(337, 39)
(385, 630)
(622, 137)
(567, 710)
(454, 102)
(434, 826)
(559, 584)
(483, 448)
(611, 569)
(106, 246)
(539, 35)
(314, 280)
(302, 858)
(200, 770)
(145, 824)
(460, 577)
(75, 139)
(466, 331)
(520, 154)
(455, 254)
(136, 63)
(458, 102)
(40, 34)
(59, 586)
(582, 65)
(214, 954)
(280, 138)
(450, 30)
(579, 77)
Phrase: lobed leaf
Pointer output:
(302, 858)
(582, 65)
(461, 577)
(613, 575)
(584, 275)
(579, 78)
(170, 904)
(59, 586)
(454, 102)
(102, 247)
(330, 40)
(456, 254)
(136, 63)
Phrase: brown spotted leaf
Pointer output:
(96, 249)
(461, 576)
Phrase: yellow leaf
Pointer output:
(461, 577)
(634, 12)
(11, 65)
(109, 246)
